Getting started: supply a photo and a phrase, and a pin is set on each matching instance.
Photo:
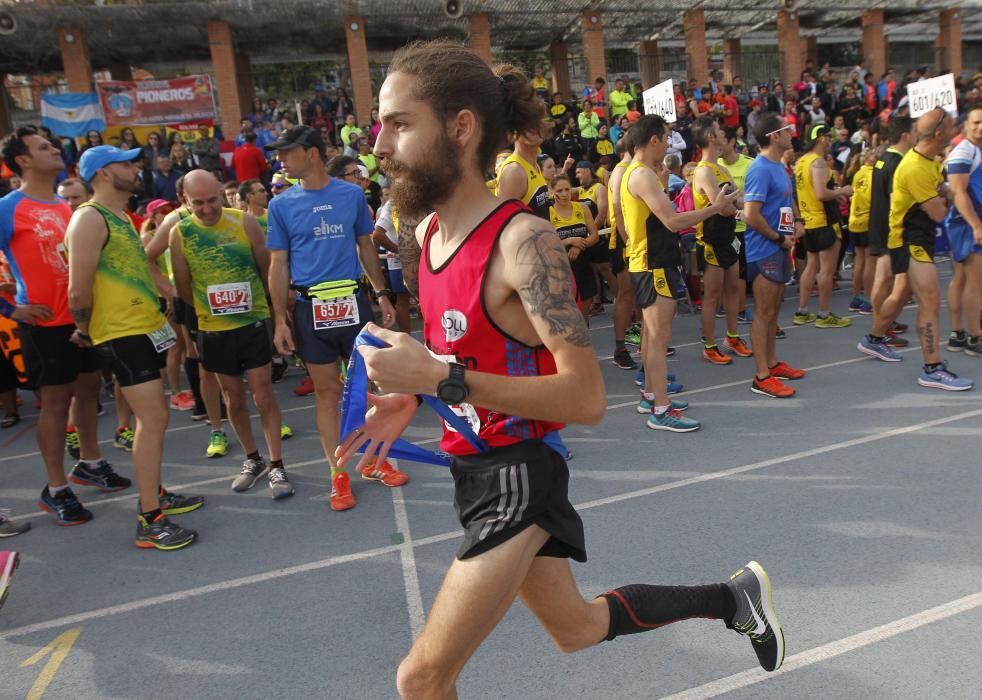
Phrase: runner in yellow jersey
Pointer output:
(115, 306)
(625, 302)
(738, 164)
(718, 246)
(920, 201)
(654, 260)
(204, 385)
(519, 176)
(823, 234)
(576, 229)
(220, 266)
(859, 208)
(593, 193)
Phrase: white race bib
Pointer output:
(163, 338)
(229, 299)
(335, 313)
(786, 224)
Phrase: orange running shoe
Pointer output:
(714, 355)
(783, 370)
(386, 473)
(773, 387)
(737, 346)
(341, 497)
(305, 388)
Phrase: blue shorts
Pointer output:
(322, 347)
(962, 241)
(776, 267)
(396, 283)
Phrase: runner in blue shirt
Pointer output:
(964, 227)
(773, 225)
(319, 238)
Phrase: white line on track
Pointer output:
(368, 554)
(407, 556)
(832, 649)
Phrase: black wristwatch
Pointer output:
(453, 390)
(780, 239)
(384, 292)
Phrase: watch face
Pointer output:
(452, 394)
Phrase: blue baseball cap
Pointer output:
(101, 156)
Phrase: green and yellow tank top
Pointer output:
(650, 244)
(612, 210)
(572, 226)
(124, 298)
(263, 220)
(536, 189)
(228, 292)
(701, 201)
(812, 208)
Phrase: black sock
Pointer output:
(640, 607)
(933, 367)
(254, 456)
(276, 464)
(619, 345)
(151, 516)
(194, 378)
(877, 338)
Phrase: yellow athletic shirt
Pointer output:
(536, 189)
(124, 298)
(916, 181)
(862, 192)
(701, 201)
(611, 211)
(649, 243)
(812, 208)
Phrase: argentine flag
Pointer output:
(72, 113)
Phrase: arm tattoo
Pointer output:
(547, 291)
(409, 254)
(81, 315)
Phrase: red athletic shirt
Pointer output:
(456, 326)
(32, 238)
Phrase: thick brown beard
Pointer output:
(416, 190)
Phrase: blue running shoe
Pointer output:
(880, 351)
(720, 312)
(675, 388)
(866, 308)
(645, 406)
(856, 303)
(943, 378)
(745, 317)
(673, 420)
(639, 377)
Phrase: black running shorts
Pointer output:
(235, 351)
(819, 239)
(900, 257)
(8, 375)
(499, 494)
(586, 278)
(724, 256)
(51, 358)
(599, 253)
(665, 282)
(134, 359)
(618, 257)
(860, 239)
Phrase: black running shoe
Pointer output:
(102, 477)
(176, 504)
(65, 508)
(669, 351)
(623, 359)
(755, 617)
(162, 534)
(780, 334)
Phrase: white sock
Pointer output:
(659, 410)
(53, 491)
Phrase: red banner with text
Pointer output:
(155, 102)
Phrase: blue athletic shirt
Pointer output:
(770, 183)
(966, 159)
(320, 228)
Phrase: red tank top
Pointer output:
(456, 326)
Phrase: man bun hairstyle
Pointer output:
(452, 78)
(702, 128)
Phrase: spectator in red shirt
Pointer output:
(248, 161)
(731, 108)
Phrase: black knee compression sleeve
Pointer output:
(639, 607)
